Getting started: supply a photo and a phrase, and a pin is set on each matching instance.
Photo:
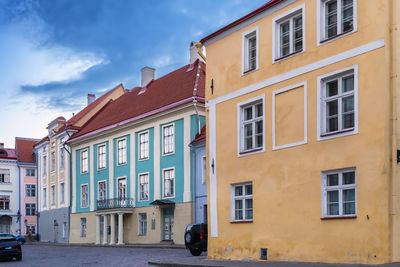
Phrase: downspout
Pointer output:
(198, 116)
(70, 184)
(19, 197)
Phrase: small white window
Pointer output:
(339, 193)
(84, 161)
(53, 195)
(242, 202)
(121, 153)
(30, 209)
(144, 145)
(30, 190)
(204, 170)
(251, 126)
(338, 104)
(101, 157)
(62, 193)
(169, 183)
(4, 202)
(62, 157)
(4, 175)
(44, 197)
(250, 51)
(102, 191)
(84, 196)
(289, 33)
(336, 18)
(142, 224)
(143, 186)
(168, 139)
(53, 161)
(29, 172)
(44, 165)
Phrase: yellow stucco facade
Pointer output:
(287, 173)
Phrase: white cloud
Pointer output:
(162, 61)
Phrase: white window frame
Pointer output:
(44, 200)
(142, 224)
(9, 202)
(321, 40)
(87, 198)
(321, 124)
(84, 167)
(243, 199)
(164, 137)
(276, 22)
(102, 157)
(245, 53)
(140, 188)
(62, 192)
(53, 195)
(240, 134)
(124, 151)
(30, 190)
(28, 172)
(52, 161)
(4, 175)
(171, 170)
(147, 146)
(203, 169)
(30, 209)
(340, 187)
(64, 230)
(62, 157)
(44, 164)
(105, 190)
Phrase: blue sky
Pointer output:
(54, 52)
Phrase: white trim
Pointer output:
(91, 178)
(242, 198)
(276, 34)
(213, 172)
(299, 71)
(126, 148)
(74, 183)
(80, 160)
(239, 152)
(148, 143)
(98, 158)
(245, 50)
(126, 185)
(163, 177)
(60, 203)
(276, 92)
(133, 167)
(148, 186)
(111, 166)
(53, 205)
(157, 155)
(321, 23)
(162, 139)
(320, 80)
(187, 180)
(203, 171)
(88, 200)
(139, 225)
(98, 182)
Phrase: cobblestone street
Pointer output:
(47, 255)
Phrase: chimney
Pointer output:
(194, 52)
(147, 75)
(90, 98)
(1, 145)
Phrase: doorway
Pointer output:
(168, 224)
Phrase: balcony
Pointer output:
(115, 203)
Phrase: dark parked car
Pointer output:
(20, 239)
(196, 238)
(9, 248)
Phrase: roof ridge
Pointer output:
(196, 80)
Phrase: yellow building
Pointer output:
(303, 133)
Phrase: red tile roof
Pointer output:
(200, 136)
(176, 88)
(7, 153)
(244, 18)
(24, 149)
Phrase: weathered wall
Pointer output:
(48, 230)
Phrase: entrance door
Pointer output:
(122, 192)
(168, 223)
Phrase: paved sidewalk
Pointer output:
(204, 262)
(160, 245)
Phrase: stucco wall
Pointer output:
(47, 228)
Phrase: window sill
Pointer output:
(337, 132)
(287, 56)
(168, 154)
(244, 221)
(143, 159)
(249, 71)
(339, 217)
(336, 36)
(250, 151)
(121, 164)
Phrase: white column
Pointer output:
(97, 229)
(105, 231)
(73, 185)
(112, 238)
(133, 166)
(157, 181)
(187, 194)
(110, 186)
(120, 229)
(91, 174)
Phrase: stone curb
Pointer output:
(108, 246)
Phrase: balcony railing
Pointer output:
(115, 203)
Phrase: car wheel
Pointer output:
(188, 238)
(195, 251)
(19, 258)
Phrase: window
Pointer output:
(64, 230)
(44, 197)
(84, 161)
(62, 193)
(53, 161)
(204, 170)
(169, 183)
(242, 202)
(31, 229)
(251, 126)
(30, 209)
(289, 33)
(62, 157)
(30, 172)
(144, 145)
(142, 223)
(338, 106)
(84, 196)
(4, 176)
(44, 165)
(30, 190)
(83, 227)
(168, 139)
(339, 193)
(121, 151)
(144, 186)
(337, 17)
(250, 51)
(53, 195)
(102, 191)
(4, 202)
(101, 157)
(53, 144)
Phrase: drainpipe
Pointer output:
(70, 183)
(198, 116)
(19, 197)
(194, 182)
